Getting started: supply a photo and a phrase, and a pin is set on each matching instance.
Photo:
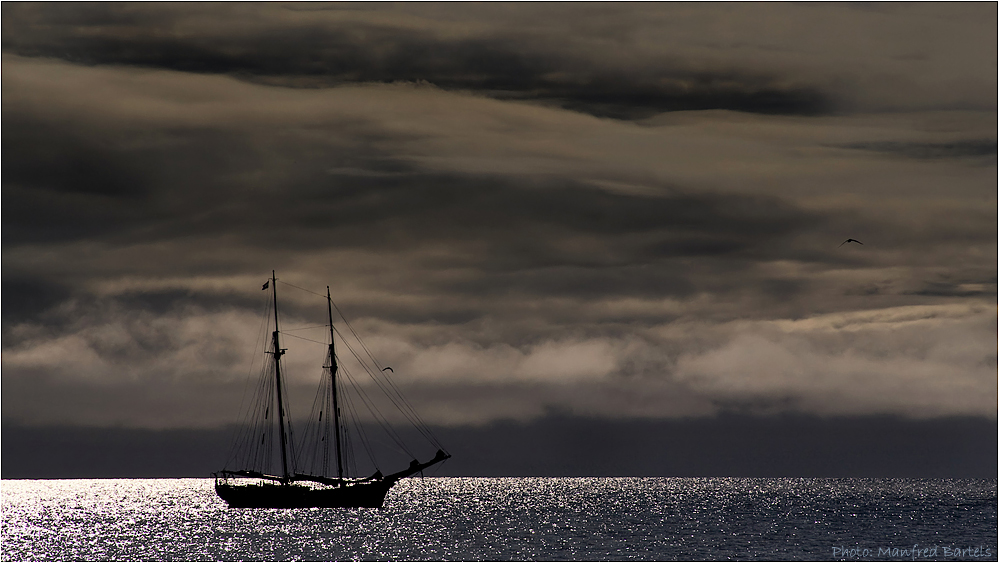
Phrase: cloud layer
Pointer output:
(616, 211)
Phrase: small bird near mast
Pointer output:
(850, 240)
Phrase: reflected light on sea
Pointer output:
(448, 519)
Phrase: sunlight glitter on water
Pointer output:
(499, 519)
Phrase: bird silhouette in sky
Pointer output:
(388, 368)
(850, 240)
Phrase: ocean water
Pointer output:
(497, 519)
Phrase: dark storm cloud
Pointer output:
(66, 182)
(526, 229)
(324, 53)
(523, 228)
(508, 258)
(39, 155)
(61, 184)
(34, 297)
(969, 288)
(121, 188)
(973, 148)
(523, 222)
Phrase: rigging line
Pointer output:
(261, 333)
(252, 415)
(350, 459)
(353, 332)
(240, 450)
(259, 452)
(283, 330)
(349, 422)
(425, 430)
(361, 342)
(290, 433)
(381, 386)
(272, 424)
(303, 289)
(356, 422)
(309, 434)
(304, 338)
(419, 422)
(410, 414)
(402, 397)
(319, 453)
(413, 417)
(252, 419)
(379, 417)
(324, 427)
(385, 444)
(352, 421)
(250, 425)
(391, 433)
(364, 432)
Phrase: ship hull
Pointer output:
(266, 495)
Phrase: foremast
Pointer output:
(278, 352)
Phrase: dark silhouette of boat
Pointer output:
(253, 485)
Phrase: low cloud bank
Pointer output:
(189, 368)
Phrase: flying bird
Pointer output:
(388, 368)
(850, 240)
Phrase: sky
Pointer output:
(603, 211)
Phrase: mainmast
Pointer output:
(333, 368)
(278, 352)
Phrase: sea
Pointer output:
(512, 519)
